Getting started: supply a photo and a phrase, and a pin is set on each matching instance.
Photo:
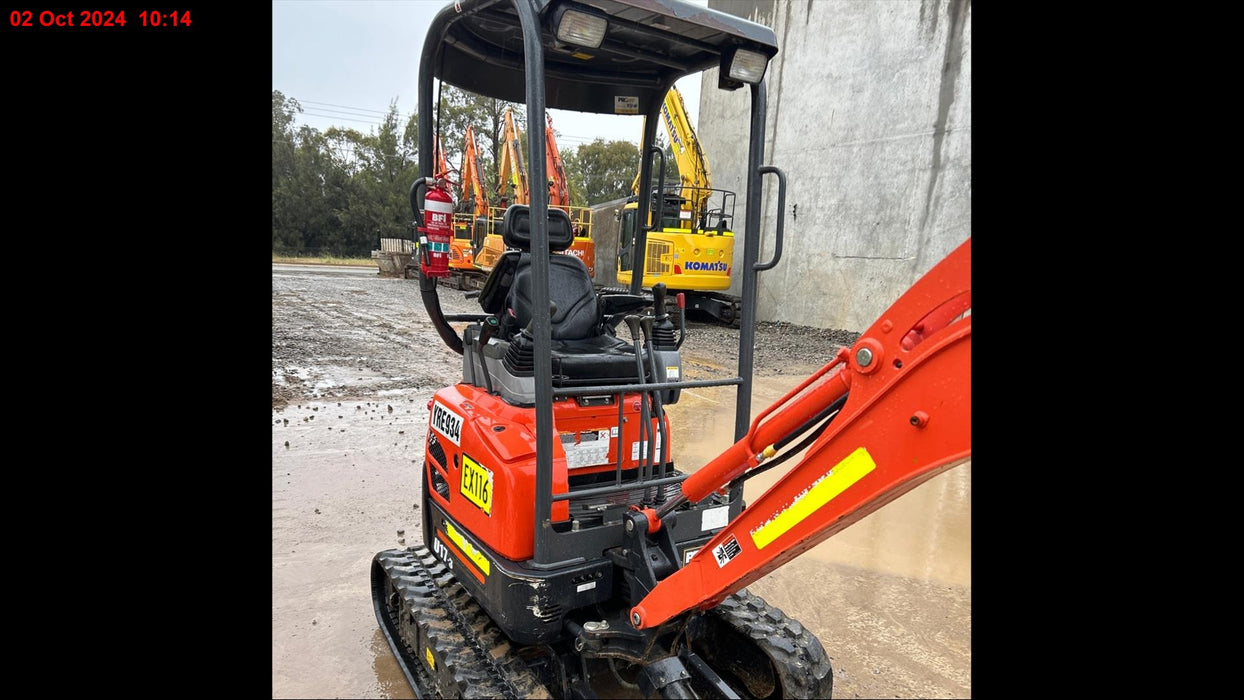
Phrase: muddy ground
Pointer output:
(354, 363)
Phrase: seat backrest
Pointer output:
(516, 230)
(570, 289)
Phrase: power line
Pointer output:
(352, 114)
(334, 116)
(403, 117)
(357, 109)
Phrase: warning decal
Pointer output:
(726, 551)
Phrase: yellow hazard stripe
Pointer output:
(472, 553)
(850, 470)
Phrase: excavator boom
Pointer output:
(692, 165)
(559, 192)
(442, 163)
(513, 170)
(472, 186)
(907, 385)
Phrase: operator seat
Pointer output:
(585, 350)
(577, 315)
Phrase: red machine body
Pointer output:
(437, 231)
(482, 455)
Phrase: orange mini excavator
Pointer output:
(564, 553)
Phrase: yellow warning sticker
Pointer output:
(477, 484)
(472, 553)
(850, 470)
(431, 659)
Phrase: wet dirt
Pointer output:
(354, 364)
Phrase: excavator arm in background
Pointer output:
(472, 186)
(895, 410)
(442, 163)
(513, 170)
(559, 190)
(693, 169)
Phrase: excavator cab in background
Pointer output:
(565, 553)
(691, 248)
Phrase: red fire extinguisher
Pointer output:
(437, 230)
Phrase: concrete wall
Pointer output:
(869, 115)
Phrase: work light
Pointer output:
(740, 66)
(576, 25)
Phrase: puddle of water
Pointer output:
(389, 677)
(924, 534)
(302, 373)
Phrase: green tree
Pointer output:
(381, 167)
(305, 185)
(284, 164)
(601, 171)
(340, 191)
(460, 109)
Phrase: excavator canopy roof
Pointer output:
(477, 45)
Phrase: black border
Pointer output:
(139, 170)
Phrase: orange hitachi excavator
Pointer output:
(565, 553)
(470, 220)
(511, 189)
(583, 248)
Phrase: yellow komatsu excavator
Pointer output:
(690, 241)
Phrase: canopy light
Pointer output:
(741, 66)
(581, 28)
(748, 66)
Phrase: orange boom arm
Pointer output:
(906, 418)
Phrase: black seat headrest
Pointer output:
(517, 228)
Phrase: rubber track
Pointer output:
(803, 666)
(474, 658)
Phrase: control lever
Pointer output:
(658, 300)
(632, 322)
(682, 319)
(490, 327)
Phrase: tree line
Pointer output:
(340, 191)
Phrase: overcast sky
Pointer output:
(345, 61)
